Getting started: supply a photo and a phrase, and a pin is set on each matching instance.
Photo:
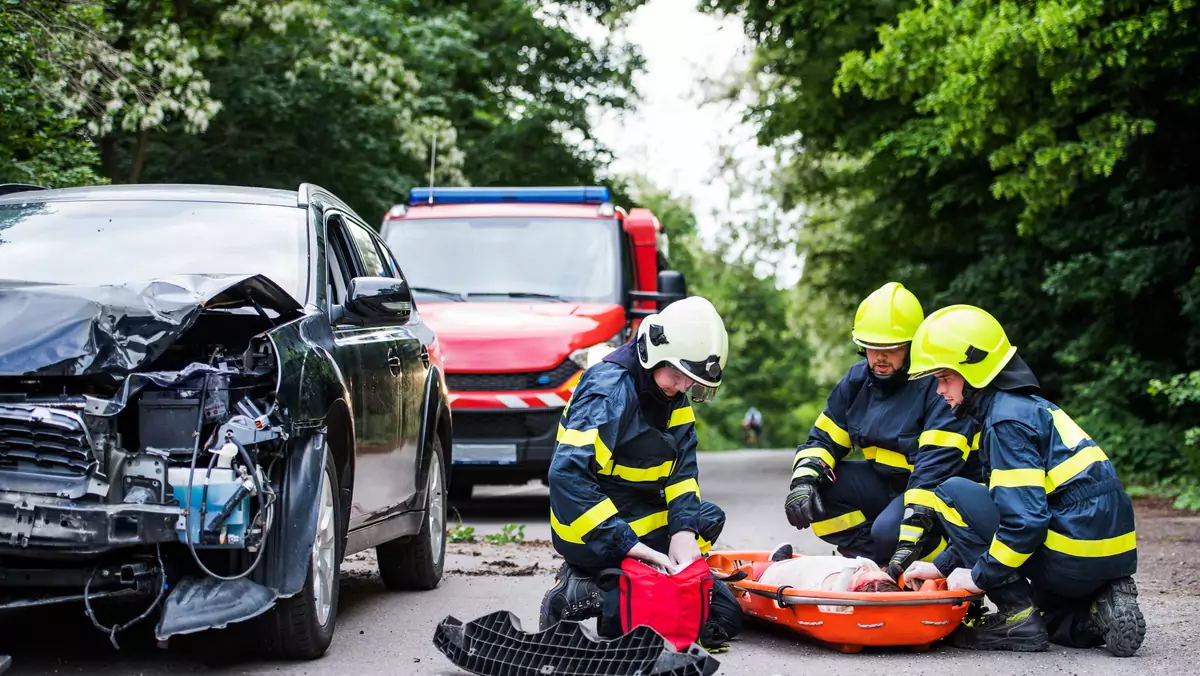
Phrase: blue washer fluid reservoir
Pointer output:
(222, 484)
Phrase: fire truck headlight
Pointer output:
(589, 356)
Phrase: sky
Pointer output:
(673, 137)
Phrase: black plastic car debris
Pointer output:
(495, 645)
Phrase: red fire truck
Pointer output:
(525, 288)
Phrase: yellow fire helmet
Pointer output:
(965, 339)
(887, 318)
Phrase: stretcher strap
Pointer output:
(783, 600)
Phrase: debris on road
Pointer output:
(495, 645)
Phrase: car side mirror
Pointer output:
(671, 287)
(378, 300)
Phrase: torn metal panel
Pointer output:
(495, 645)
(113, 330)
(202, 603)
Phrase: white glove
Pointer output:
(655, 558)
(683, 549)
(960, 578)
(921, 570)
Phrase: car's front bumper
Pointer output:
(33, 524)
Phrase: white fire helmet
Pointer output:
(690, 336)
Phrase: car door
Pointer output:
(392, 463)
(373, 386)
(415, 347)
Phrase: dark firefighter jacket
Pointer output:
(624, 466)
(1057, 493)
(905, 429)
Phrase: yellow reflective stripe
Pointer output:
(1091, 548)
(1017, 478)
(926, 498)
(705, 545)
(682, 488)
(649, 524)
(944, 438)
(839, 435)
(577, 529)
(585, 438)
(1071, 467)
(838, 524)
(804, 471)
(1006, 555)
(814, 452)
(638, 474)
(911, 533)
(975, 441)
(682, 416)
(940, 548)
(1072, 434)
(890, 458)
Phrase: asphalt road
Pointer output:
(391, 633)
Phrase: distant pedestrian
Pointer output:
(752, 423)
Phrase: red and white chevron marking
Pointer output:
(530, 399)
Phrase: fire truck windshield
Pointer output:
(509, 259)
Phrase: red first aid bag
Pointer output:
(676, 606)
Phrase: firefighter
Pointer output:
(623, 479)
(881, 508)
(1053, 529)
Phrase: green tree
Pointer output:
(1033, 159)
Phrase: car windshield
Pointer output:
(548, 259)
(114, 241)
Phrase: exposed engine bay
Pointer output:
(140, 446)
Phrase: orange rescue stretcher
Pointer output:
(845, 621)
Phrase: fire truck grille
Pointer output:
(510, 382)
(505, 425)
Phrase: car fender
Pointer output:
(433, 406)
(310, 385)
(289, 544)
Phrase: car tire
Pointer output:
(417, 562)
(302, 627)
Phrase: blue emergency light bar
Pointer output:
(594, 194)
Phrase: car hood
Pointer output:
(508, 337)
(113, 329)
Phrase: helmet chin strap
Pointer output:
(968, 403)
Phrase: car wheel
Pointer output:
(417, 562)
(301, 627)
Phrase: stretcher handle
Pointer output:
(789, 600)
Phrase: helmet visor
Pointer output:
(700, 392)
(686, 382)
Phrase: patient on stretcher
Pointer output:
(827, 573)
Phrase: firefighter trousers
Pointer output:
(862, 513)
(1064, 601)
(723, 608)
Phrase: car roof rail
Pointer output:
(10, 188)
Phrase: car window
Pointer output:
(367, 253)
(389, 259)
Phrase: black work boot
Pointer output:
(1117, 618)
(574, 596)
(1016, 625)
(714, 638)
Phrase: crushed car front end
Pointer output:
(144, 441)
(104, 478)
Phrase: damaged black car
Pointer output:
(209, 396)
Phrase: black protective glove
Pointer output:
(803, 504)
(923, 520)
